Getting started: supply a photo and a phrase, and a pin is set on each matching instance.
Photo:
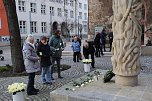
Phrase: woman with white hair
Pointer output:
(32, 64)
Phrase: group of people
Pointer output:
(44, 55)
(100, 42)
(91, 48)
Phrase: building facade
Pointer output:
(3, 22)
(43, 17)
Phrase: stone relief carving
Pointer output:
(127, 33)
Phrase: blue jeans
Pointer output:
(46, 74)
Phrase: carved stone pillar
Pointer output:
(126, 43)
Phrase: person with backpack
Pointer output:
(76, 49)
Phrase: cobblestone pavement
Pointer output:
(74, 72)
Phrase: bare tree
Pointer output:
(15, 38)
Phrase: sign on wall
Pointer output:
(98, 29)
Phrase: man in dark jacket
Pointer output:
(57, 43)
(110, 40)
(43, 50)
(103, 39)
(88, 49)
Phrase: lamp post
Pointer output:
(51, 24)
(30, 22)
(78, 26)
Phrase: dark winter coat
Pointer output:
(97, 41)
(110, 37)
(57, 43)
(45, 56)
(90, 49)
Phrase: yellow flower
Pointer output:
(16, 87)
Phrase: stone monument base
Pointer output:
(126, 80)
(99, 91)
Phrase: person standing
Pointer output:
(103, 39)
(98, 49)
(110, 35)
(32, 64)
(57, 43)
(88, 49)
(76, 49)
(43, 50)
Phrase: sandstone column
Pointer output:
(126, 43)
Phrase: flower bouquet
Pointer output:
(17, 90)
(87, 63)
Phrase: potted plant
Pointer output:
(17, 89)
(87, 65)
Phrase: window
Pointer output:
(22, 26)
(33, 7)
(85, 16)
(33, 25)
(21, 5)
(43, 9)
(71, 14)
(80, 15)
(66, 13)
(71, 3)
(66, 2)
(85, 6)
(43, 27)
(59, 12)
(59, 1)
(52, 0)
(72, 28)
(80, 5)
(85, 28)
(52, 11)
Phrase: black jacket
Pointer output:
(90, 49)
(45, 56)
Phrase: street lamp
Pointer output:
(78, 26)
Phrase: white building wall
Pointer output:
(38, 17)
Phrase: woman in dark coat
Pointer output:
(97, 45)
(43, 50)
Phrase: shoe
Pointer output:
(60, 77)
(36, 90)
(32, 93)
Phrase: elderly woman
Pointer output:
(32, 65)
